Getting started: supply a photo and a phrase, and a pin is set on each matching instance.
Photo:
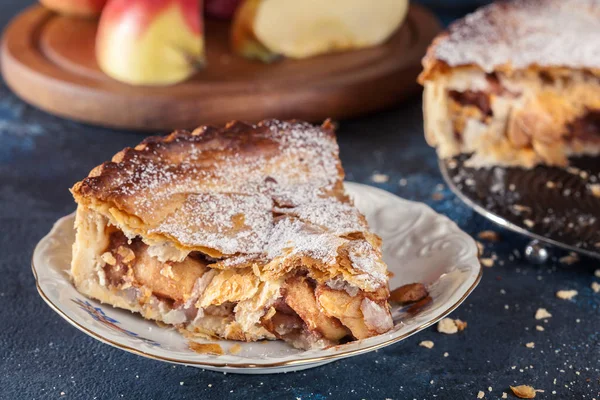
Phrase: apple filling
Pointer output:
(521, 118)
(218, 302)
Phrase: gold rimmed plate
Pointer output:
(419, 245)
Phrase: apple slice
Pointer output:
(158, 42)
(300, 29)
(79, 8)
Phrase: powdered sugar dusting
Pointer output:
(330, 214)
(293, 238)
(525, 33)
(219, 189)
(367, 260)
(230, 223)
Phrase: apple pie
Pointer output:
(242, 232)
(516, 83)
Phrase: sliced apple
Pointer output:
(157, 42)
(79, 8)
(300, 29)
(243, 40)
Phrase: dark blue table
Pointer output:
(42, 356)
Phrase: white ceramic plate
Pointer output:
(419, 245)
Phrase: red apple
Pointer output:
(83, 8)
(150, 42)
(222, 9)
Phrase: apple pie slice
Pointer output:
(516, 83)
(242, 233)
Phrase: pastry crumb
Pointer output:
(523, 391)
(446, 354)
(550, 185)
(409, 293)
(449, 326)
(460, 325)
(480, 394)
(487, 262)
(521, 208)
(566, 294)
(595, 287)
(542, 313)
(380, 178)
(539, 328)
(530, 345)
(569, 259)
(489, 236)
(504, 395)
(529, 223)
(594, 189)
(427, 344)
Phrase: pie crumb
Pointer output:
(523, 391)
(595, 189)
(542, 313)
(529, 223)
(569, 259)
(380, 178)
(487, 262)
(489, 236)
(460, 325)
(480, 394)
(597, 273)
(427, 344)
(539, 328)
(566, 294)
(446, 354)
(595, 287)
(447, 326)
(530, 345)
(504, 395)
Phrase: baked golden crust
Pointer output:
(207, 230)
(516, 83)
(517, 35)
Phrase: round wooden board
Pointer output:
(48, 60)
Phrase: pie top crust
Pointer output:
(267, 196)
(521, 34)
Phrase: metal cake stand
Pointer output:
(553, 206)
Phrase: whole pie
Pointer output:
(516, 83)
(242, 232)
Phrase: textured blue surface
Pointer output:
(43, 357)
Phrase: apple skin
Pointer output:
(243, 40)
(221, 9)
(151, 43)
(80, 8)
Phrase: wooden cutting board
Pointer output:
(48, 60)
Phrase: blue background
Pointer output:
(42, 356)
